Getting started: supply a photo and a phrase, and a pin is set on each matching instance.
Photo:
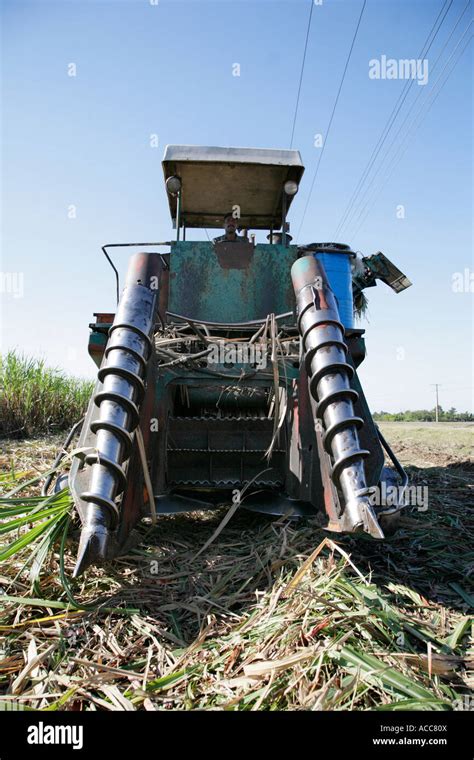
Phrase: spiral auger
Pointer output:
(122, 374)
(329, 376)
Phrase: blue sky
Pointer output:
(167, 69)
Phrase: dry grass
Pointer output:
(265, 619)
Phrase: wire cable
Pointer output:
(367, 192)
(332, 116)
(391, 119)
(301, 73)
(404, 146)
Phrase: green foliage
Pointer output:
(35, 399)
(35, 526)
(424, 415)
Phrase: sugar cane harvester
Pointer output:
(230, 366)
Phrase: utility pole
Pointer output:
(436, 385)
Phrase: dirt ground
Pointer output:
(426, 444)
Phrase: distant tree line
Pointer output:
(424, 415)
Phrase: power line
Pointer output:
(403, 148)
(363, 204)
(391, 119)
(404, 145)
(301, 73)
(366, 193)
(326, 136)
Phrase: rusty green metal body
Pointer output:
(220, 292)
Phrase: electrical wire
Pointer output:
(301, 73)
(404, 146)
(391, 119)
(367, 192)
(326, 136)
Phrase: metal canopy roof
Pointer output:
(214, 180)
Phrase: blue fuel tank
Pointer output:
(336, 260)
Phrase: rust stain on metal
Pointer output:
(236, 255)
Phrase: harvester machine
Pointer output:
(229, 371)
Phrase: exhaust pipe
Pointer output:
(122, 375)
(329, 376)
